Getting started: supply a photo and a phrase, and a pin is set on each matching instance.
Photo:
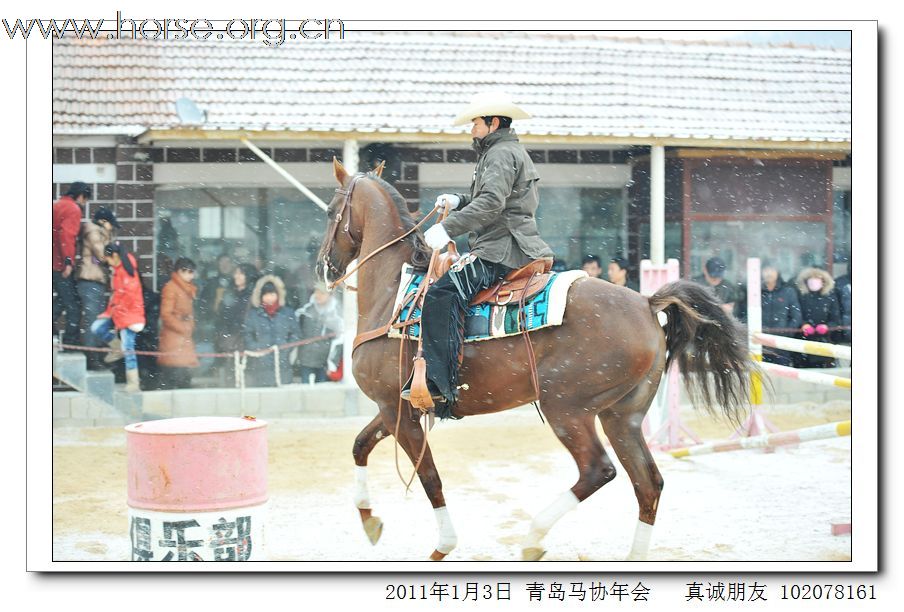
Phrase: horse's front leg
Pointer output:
(411, 438)
(369, 437)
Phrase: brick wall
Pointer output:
(131, 195)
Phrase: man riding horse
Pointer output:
(498, 215)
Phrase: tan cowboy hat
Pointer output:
(487, 103)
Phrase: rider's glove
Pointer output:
(450, 200)
(436, 237)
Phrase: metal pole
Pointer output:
(350, 155)
(657, 204)
(284, 174)
(350, 160)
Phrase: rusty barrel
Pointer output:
(197, 489)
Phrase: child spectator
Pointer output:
(269, 323)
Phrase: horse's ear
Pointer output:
(339, 172)
(379, 169)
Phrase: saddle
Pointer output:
(518, 285)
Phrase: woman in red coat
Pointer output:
(177, 324)
(124, 314)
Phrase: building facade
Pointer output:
(755, 142)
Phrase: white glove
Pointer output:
(450, 200)
(436, 237)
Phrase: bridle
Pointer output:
(333, 229)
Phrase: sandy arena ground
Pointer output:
(497, 471)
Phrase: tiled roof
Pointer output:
(412, 82)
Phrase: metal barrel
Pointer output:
(197, 489)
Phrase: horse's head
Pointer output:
(345, 229)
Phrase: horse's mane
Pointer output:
(421, 253)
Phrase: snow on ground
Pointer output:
(498, 471)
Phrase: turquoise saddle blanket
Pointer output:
(488, 321)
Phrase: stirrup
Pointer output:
(419, 392)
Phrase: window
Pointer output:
(574, 221)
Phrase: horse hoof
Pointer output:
(373, 527)
(532, 554)
(437, 556)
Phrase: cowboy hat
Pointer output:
(490, 103)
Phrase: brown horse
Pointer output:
(604, 362)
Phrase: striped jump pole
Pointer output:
(756, 423)
(816, 378)
(823, 349)
(819, 432)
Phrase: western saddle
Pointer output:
(517, 286)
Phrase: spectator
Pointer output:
(177, 320)
(714, 278)
(321, 316)
(780, 311)
(843, 292)
(618, 274)
(212, 295)
(819, 308)
(124, 313)
(67, 219)
(148, 339)
(234, 307)
(167, 237)
(559, 265)
(92, 272)
(591, 265)
(269, 323)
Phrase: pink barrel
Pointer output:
(197, 488)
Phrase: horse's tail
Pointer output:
(709, 345)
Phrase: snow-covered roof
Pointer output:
(375, 83)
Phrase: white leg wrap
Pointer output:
(362, 498)
(447, 537)
(641, 545)
(544, 521)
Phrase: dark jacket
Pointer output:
(314, 321)
(723, 291)
(816, 308)
(781, 309)
(231, 318)
(821, 307)
(843, 292)
(263, 331)
(498, 213)
(844, 304)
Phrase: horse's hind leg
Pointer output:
(369, 437)
(623, 426)
(595, 469)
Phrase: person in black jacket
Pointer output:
(820, 311)
(780, 311)
(843, 292)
